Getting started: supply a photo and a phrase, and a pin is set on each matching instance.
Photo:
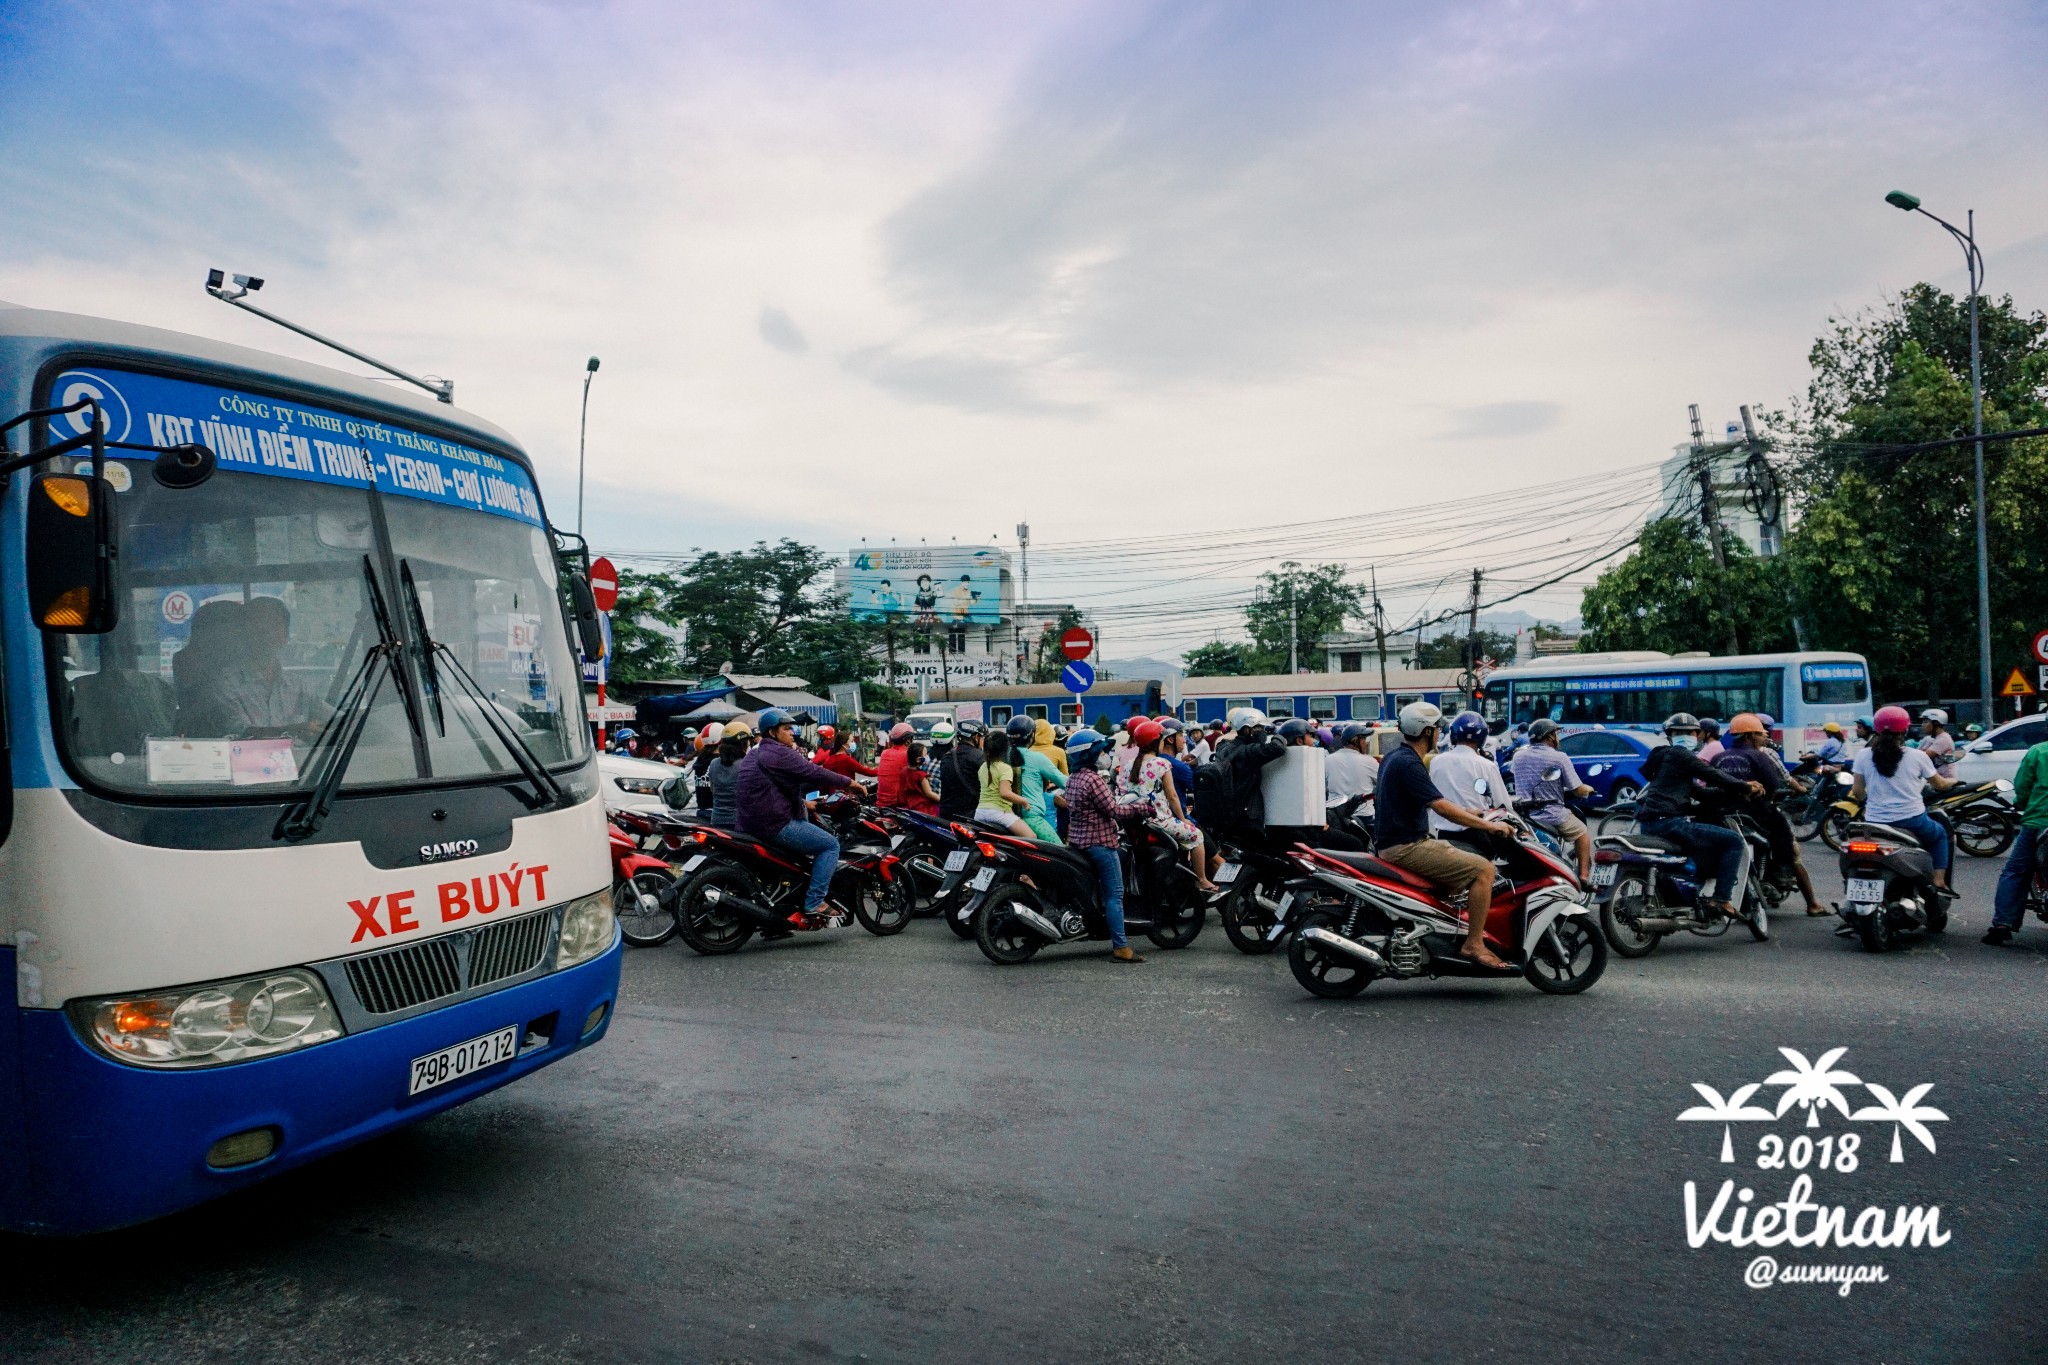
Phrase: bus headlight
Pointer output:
(229, 1021)
(587, 929)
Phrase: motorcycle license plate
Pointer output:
(956, 860)
(1226, 874)
(696, 861)
(1603, 874)
(981, 879)
(453, 1063)
(1865, 891)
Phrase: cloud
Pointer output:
(1485, 421)
(779, 330)
(972, 383)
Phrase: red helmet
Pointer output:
(826, 732)
(1891, 720)
(1146, 732)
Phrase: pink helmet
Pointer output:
(902, 732)
(1891, 720)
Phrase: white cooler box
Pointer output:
(1293, 787)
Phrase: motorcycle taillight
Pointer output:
(1867, 847)
(987, 850)
(1606, 855)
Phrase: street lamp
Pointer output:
(583, 422)
(1967, 237)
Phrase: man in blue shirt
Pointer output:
(1406, 796)
(1832, 752)
(1544, 773)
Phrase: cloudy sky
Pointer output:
(1117, 268)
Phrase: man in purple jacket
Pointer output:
(769, 799)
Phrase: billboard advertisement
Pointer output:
(927, 586)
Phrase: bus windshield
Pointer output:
(252, 602)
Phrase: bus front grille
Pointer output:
(419, 973)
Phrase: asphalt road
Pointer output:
(853, 1148)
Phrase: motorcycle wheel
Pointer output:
(1628, 940)
(960, 912)
(924, 900)
(1834, 828)
(1805, 818)
(1330, 975)
(640, 925)
(1182, 923)
(1583, 962)
(1759, 917)
(1245, 922)
(704, 926)
(883, 908)
(1003, 938)
(1986, 836)
(1612, 821)
(1875, 930)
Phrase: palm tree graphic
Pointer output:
(1903, 1112)
(1717, 1110)
(1812, 1084)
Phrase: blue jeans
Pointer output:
(1715, 850)
(1932, 836)
(2010, 906)
(1109, 873)
(804, 838)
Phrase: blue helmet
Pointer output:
(775, 716)
(1468, 727)
(1084, 742)
(1292, 730)
(1021, 727)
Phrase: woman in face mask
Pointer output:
(1666, 806)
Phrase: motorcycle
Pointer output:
(1355, 919)
(1888, 885)
(1981, 816)
(938, 857)
(1035, 895)
(1254, 877)
(1648, 887)
(738, 886)
(643, 890)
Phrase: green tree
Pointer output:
(1046, 658)
(1319, 600)
(1219, 659)
(1667, 594)
(1883, 556)
(1448, 650)
(640, 652)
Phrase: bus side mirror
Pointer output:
(71, 554)
(588, 633)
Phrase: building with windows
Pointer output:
(953, 614)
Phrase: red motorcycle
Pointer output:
(1355, 919)
(644, 890)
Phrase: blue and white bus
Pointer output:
(300, 837)
(1639, 688)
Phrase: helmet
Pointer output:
(1021, 727)
(1973, 729)
(1170, 725)
(1891, 720)
(1769, 721)
(826, 732)
(1867, 722)
(902, 730)
(970, 728)
(1710, 726)
(775, 716)
(1250, 718)
(1833, 727)
(1418, 716)
(713, 733)
(1328, 736)
(690, 731)
(739, 729)
(1935, 714)
(1746, 723)
(1292, 730)
(1543, 727)
(1468, 727)
(1085, 742)
(624, 732)
(943, 731)
(1145, 732)
(1681, 720)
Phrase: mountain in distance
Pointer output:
(1143, 668)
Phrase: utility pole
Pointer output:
(1293, 665)
(1770, 512)
(1379, 631)
(1471, 679)
(1710, 516)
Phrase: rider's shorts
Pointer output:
(1449, 867)
(1564, 824)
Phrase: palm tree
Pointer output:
(1907, 1113)
(1812, 1084)
(1735, 1108)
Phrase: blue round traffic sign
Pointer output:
(1078, 676)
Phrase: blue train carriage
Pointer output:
(1115, 700)
(1322, 697)
(300, 837)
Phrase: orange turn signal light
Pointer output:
(68, 611)
(71, 494)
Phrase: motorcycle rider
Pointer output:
(897, 783)
(1866, 730)
(1038, 779)
(1239, 814)
(1750, 757)
(1665, 807)
(1544, 773)
(960, 772)
(1044, 740)
(942, 736)
(835, 751)
(1936, 742)
(2030, 795)
(1093, 812)
(1891, 780)
(1833, 753)
(1467, 777)
(1406, 799)
(769, 800)
(1712, 746)
(1350, 774)
(721, 776)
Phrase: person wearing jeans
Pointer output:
(1673, 769)
(2030, 794)
(769, 796)
(1093, 811)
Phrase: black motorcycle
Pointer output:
(1648, 887)
(1036, 894)
(939, 858)
(738, 886)
(1888, 885)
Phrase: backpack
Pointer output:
(1213, 796)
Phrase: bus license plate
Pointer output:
(1226, 874)
(696, 861)
(1603, 874)
(464, 1059)
(983, 878)
(1865, 891)
(956, 860)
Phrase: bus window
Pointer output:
(1838, 684)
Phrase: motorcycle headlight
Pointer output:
(642, 786)
(587, 929)
(228, 1021)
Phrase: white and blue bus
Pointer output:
(300, 837)
(1639, 688)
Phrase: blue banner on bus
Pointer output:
(1831, 672)
(1644, 682)
(257, 435)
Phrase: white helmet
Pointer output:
(1935, 714)
(1418, 716)
(1252, 718)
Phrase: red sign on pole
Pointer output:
(1077, 643)
(604, 584)
(2041, 646)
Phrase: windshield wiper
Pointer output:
(547, 791)
(428, 673)
(351, 716)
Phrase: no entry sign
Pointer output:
(2041, 646)
(604, 584)
(1079, 644)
